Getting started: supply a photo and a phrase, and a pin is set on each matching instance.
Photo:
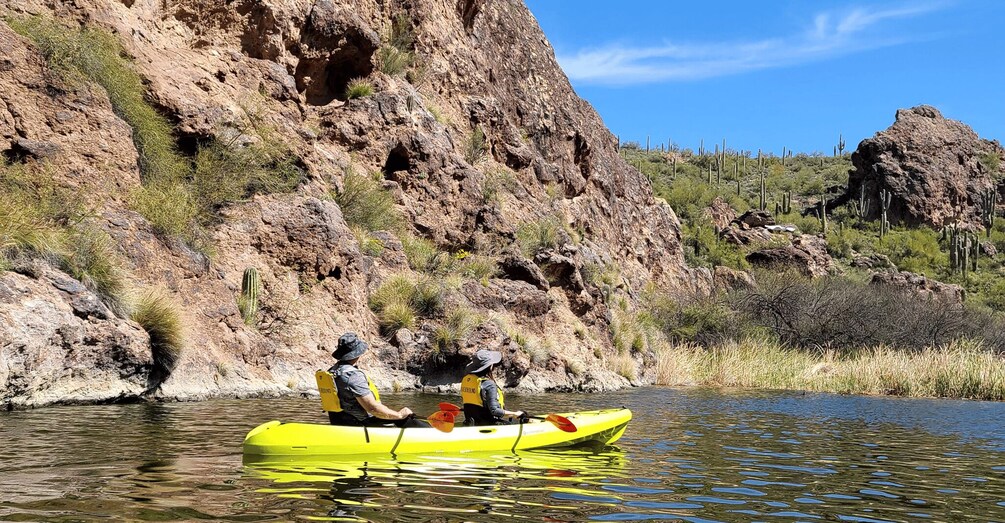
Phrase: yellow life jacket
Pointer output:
(329, 392)
(471, 391)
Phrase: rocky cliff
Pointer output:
(936, 170)
(478, 137)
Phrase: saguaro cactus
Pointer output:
(841, 144)
(823, 214)
(863, 204)
(786, 202)
(763, 201)
(885, 197)
(989, 201)
(248, 302)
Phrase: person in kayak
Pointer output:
(483, 399)
(357, 401)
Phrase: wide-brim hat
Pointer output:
(350, 347)
(482, 360)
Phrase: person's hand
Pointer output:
(405, 412)
(524, 415)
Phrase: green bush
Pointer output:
(394, 61)
(396, 55)
(476, 147)
(365, 204)
(226, 172)
(91, 258)
(394, 316)
(539, 235)
(358, 88)
(455, 329)
(161, 318)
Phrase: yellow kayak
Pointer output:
(274, 438)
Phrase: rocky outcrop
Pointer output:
(925, 287)
(60, 344)
(209, 66)
(935, 169)
(807, 254)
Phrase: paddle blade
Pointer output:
(563, 423)
(442, 421)
(449, 407)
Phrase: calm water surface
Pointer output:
(689, 455)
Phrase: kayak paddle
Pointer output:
(441, 420)
(564, 424)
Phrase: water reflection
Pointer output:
(473, 486)
(695, 456)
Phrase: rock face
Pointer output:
(208, 66)
(936, 170)
(807, 254)
(918, 283)
(60, 344)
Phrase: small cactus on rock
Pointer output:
(248, 302)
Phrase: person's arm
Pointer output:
(379, 410)
(490, 398)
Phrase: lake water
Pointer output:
(689, 455)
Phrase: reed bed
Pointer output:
(959, 369)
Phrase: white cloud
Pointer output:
(829, 34)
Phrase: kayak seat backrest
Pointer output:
(329, 396)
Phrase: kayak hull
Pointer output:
(274, 438)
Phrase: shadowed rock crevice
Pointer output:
(336, 46)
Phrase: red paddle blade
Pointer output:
(442, 421)
(449, 407)
(563, 423)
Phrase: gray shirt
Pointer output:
(351, 383)
(490, 399)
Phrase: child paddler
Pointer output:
(483, 399)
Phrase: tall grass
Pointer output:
(365, 204)
(396, 55)
(90, 256)
(459, 323)
(177, 195)
(960, 369)
(160, 316)
(400, 300)
(97, 56)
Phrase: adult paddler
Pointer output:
(357, 401)
(484, 402)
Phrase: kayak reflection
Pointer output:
(474, 486)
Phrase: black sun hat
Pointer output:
(350, 347)
(482, 360)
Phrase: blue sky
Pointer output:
(769, 74)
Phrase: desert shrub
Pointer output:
(394, 316)
(365, 204)
(497, 180)
(91, 257)
(157, 313)
(35, 213)
(358, 88)
(420, 252)
(170, 208)
(225, 172)
(394, 61)
(427, 297)
(477, 266)
(476, 147)
(455, 329)
(539, 235)
(843, 313)
(687, 317)
(368, 245)
(915, 250)
(396, 55)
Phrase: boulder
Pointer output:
(727, 279)
(807, 254)
(920, 284)
(60, 344)
(935, 169)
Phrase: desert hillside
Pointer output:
(199, 198)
